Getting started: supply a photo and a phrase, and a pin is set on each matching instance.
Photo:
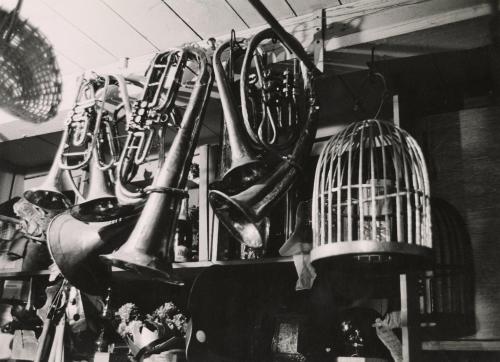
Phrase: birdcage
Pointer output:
(447, 290)
(371, 199)
(30, 82)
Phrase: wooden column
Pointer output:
(410, 323)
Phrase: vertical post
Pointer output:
(410, 323)
(208, 172)
(395, 109)
(319, 40)
(203, 242)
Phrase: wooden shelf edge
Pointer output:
(206, 264)
(176, 266)
(462, 345)
(17, 274)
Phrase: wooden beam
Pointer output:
(346, 25)
(462, 345)
(393, 19)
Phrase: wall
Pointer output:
(11, 185)
(463, 155)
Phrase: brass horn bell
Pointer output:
(246, 167)
(75, 246)
(49, 194)
(100, 203)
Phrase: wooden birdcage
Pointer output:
(447, 291)
(371, 199)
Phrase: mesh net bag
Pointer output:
(30, 81)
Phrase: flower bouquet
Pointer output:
(151, 334)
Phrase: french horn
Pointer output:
(244, 214)
(246, 164)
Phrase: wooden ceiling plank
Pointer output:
(210, 18)
(302, 7)
(63, 36)
(278, 8)
(383, 20)
(153, 19)
(95, 19)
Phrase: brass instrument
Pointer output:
(148, 249)
(246, 165)
(83, 123)
(49, 194)
(150, 116)
(244, 214)
(75, 245)
(100, 203)
(117, 97)
(270, 98)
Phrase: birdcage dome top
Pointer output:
(371, 196)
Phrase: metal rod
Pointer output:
(288, 39)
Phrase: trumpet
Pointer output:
(150, 116)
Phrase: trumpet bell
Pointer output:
(239, 220)
(47, 199)
(101, 210)
(243, 174)
(149, 266)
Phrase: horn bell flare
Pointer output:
(148, 266)
(238, 220)
(101, 210)
(47, 199)
(73, 246)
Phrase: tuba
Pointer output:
(83, 123)
(151, 113)
(147, 250)
(100, 202)
(244, 213)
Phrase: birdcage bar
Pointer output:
(371, 189)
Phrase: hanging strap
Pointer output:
(9, 22)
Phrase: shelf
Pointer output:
(188, 267)
(22, 274)
(462, 345)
